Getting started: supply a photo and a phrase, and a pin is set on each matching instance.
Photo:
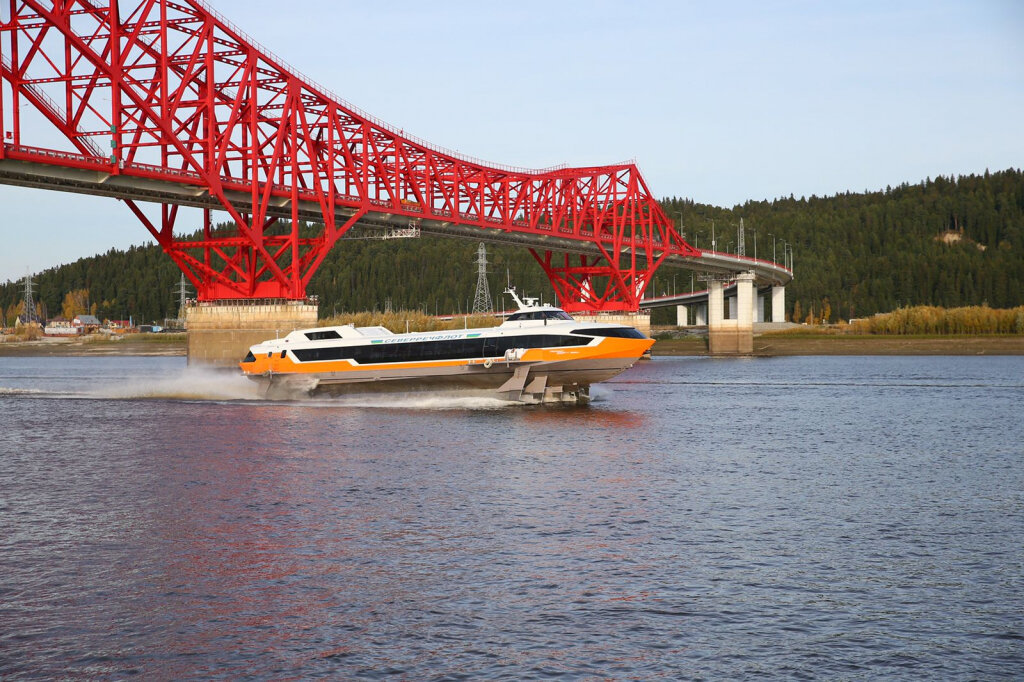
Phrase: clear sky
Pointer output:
(720, 102)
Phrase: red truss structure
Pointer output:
(198, 114)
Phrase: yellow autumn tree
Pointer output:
(75, 303)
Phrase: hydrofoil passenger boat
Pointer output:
(539, 354)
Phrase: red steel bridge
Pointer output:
(165, 102)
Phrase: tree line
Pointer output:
(948, 242)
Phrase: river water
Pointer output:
(801, 517)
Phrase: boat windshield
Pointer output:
(539, 315)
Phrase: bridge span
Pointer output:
(197, 114)
(730, 306)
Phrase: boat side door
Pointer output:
(490, 347)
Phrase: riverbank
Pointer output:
(764, 345)
(131, 344)
(820, 344)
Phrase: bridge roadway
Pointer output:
(81, 174)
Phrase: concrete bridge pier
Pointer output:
(682, 316)
(692, 315)
(220, 332)
(639, 321)
(733, 336)
(778, 304)
(700, 315)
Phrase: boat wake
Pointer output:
(192, 384)
(219, 386)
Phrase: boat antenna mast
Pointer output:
(521, 303)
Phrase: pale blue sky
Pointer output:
(720, 102)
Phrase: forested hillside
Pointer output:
(946, 242)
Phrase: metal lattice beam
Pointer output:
(185, 99)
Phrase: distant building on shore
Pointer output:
(60, 326)
(87, 323)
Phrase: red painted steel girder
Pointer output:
(182, 96)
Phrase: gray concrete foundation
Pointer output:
(733, 336)
(220, 333)
(639, 321)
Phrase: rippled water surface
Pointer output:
(806, 517)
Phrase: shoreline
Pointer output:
(770, 345)
(766, 345)
(137, 345)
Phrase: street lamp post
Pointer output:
(773, 247)
(682, 233)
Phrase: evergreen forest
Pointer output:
(947, 242)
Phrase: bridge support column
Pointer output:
(638, 321)
(759, 313)
(700, 315)
(778, 304)
(716, 304)
(734, 336)
(682, 318)
(219, 334)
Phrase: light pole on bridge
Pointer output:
(773, 248)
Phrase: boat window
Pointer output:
(618, 332)
(320, 336)
(435, 350)
(282, 354)
(249, 357)
(539, 315)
